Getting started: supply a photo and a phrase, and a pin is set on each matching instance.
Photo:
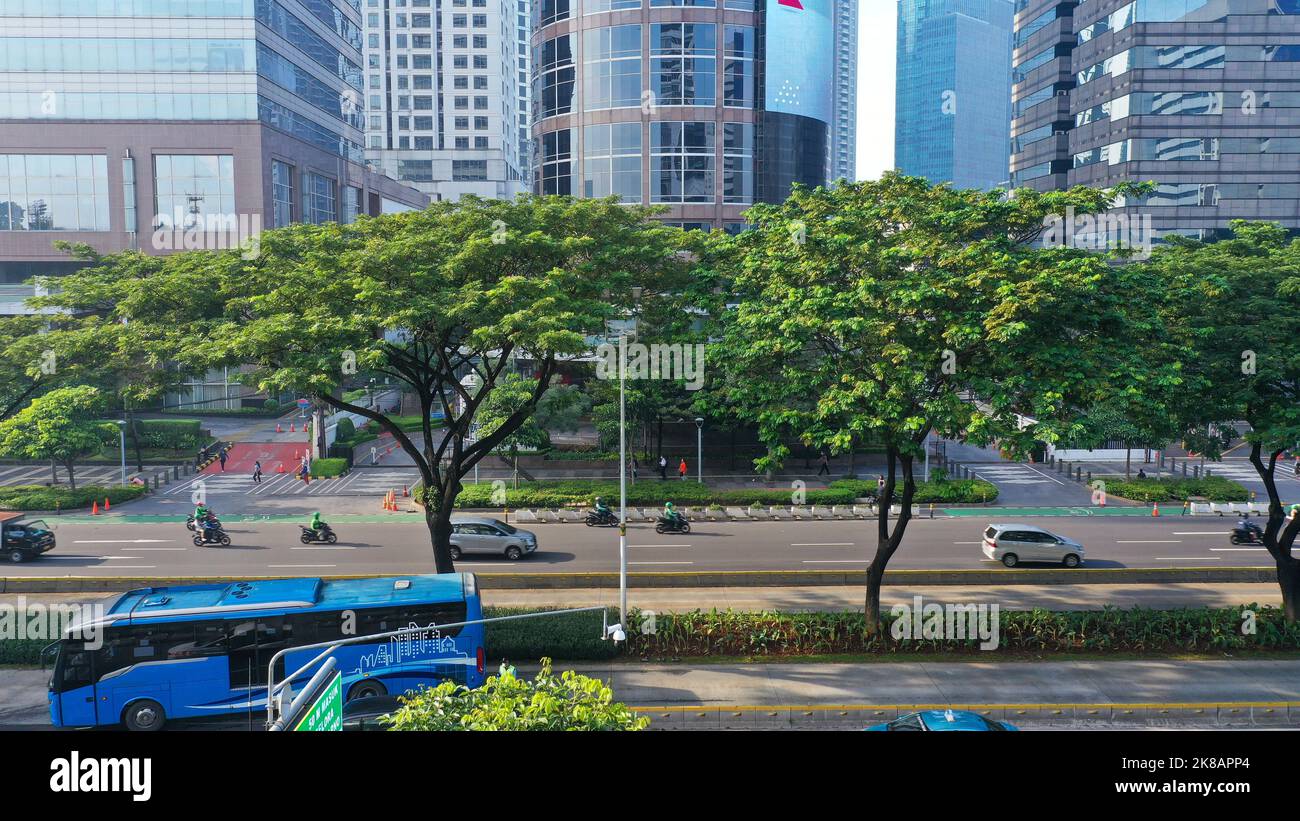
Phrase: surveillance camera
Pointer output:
(615, 631)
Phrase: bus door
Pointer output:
(74, 681)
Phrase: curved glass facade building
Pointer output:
(701, 106)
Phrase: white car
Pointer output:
(493, 536)
(1012, 544)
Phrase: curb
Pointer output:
(713, 716)
(738, 578)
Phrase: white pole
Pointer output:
(699, 453)
(622, 480)
(121, 431)
(927, 457)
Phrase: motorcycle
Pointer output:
(190, 526)
(325, 534)
(1247, 533)
(211, 535)
(598, 519)
(674, 525)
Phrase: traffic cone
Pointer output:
(107, 506)
(405, 491)
(1155, 508)
(291, 430)
(94, 508)
(277, 428)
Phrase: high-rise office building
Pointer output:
(842, 158)
(125, 124)
(953, 92)
(702, 106)
(443, 96)
(1200, 96)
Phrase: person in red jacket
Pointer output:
(681, 470)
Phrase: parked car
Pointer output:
(492, 536)
(364, 713)
(24, 539)
(943, 721)
(1013, 544)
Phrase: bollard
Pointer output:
(1196, 471)
(176, 472)
(1089, 477)
(1078, 474)
(1059, 465)
(1184, 468)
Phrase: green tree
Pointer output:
(507, 702)
(888, 310)
(425, 299)
(59, 426)
(1236, 305)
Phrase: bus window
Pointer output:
(251, 645)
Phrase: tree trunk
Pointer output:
(133, 424)
(439, 525)
(1288, 579)
(1128, 457)
(887, 542)
(54, 471)
(72, 478)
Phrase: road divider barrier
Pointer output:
(719, 578)
(793, 513)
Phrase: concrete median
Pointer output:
(738, 578)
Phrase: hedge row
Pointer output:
(328, 468)
(1213, 488)
(653, 492)
(39, 497)
(1136, 630)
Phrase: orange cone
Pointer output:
(291, 427)
(94, 508)
(406, 491)
(277, 428)
(1155, 508)
(107, 506)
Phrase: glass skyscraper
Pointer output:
(953, 92)
(1200, 96)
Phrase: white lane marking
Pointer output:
(142, 549)
(821, 544)
(661, 562)
(121, 541)
(835, 561)
(1198, 532)
(968, 543)
(123, 567)
(1240, 549)
(1148, 541)
(324, 547)
(302, 565)
(1188, 558)
(658, 545)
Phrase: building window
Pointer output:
(612, 161)
(554, 162)
(351, 203)
(128, 196)
(555, 78)
(53, 192)
(612, 67)
(319, 203)
(682, 63)
(281, 194)
(192, 186)
(738, 67)
(681, 161)
(468, 170)
(738, 163)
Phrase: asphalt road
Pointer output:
(165, 549)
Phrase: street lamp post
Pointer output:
(121, 432)
(699, 449)
(622, 478)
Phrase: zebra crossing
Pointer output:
(1244, 472)
(1014, 473)
(13, 475)
(359, 482)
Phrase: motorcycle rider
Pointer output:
(1249, 527)
(602, 510)
(318, 526)
(671, 516)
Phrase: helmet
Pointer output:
(668, 504)
(599, 500)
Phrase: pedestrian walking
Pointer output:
(257, 472)
(635, 466)
(663, 468)
(1297, 466)
(825, 465)
(222, 458)
(880, 484)
(681, 470)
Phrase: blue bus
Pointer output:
(163, 653)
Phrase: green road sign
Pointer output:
(326, 713)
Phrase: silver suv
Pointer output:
(1015, 543)
(485, 535)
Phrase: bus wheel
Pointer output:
(145, 715)
(367, 688)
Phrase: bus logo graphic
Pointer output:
(423, 645)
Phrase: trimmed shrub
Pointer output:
(1214, 488)
(571, 636)
(326, 468)
(345, 430)
(39, 497)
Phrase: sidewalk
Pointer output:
(839, 599)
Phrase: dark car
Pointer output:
(24, 539)
(364, 713)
